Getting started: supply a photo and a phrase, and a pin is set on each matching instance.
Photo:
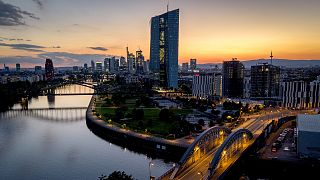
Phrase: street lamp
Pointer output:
(201, 174)
(150, 164)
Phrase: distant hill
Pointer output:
(278, 62)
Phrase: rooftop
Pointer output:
(310, 123)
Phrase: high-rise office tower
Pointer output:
(93, 67)
(18, 67)
(164, 48)
(123, 63)
(132, 59)
(193, 64)
(232, 81)
(185, 67)
(265, 81)
(99, 66)
(106, 64)
(37, 69)
(139, 61)
(49, 70)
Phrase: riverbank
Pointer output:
(142, 142)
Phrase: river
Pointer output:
(59, 145)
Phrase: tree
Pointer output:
(215, 112)
(116, 175)
(138, 114)
(211, 123)
(164, 115)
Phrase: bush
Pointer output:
(164, 115)
(116, 175)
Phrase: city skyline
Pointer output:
(210, 31)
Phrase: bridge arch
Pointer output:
(233, 144)
(203, 144)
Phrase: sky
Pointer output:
(73, 32)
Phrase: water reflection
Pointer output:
(37, 147)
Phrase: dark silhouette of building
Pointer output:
(49, 70)
(164, 48)
(233, 74)
(193, 64)
(265, 81)
(18, 67)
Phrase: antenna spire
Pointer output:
(168, 6)
(271, 57)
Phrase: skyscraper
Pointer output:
(49, 70)
(93, 67)
(139, 61)
(18, 67)
(193, 64)
(185, 67)
(164, 48)
(265, 81)
(99, 66)
(232, 81)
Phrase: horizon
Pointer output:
(210, 31)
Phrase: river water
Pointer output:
(58, 145)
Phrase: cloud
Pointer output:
(25, 47)
(98, 48)
(56, 47)
(11, 15)
(39, 3)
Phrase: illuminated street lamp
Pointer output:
(201, 174)
(150, 164)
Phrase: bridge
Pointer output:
(209, 156)
(61, 114)
(83, 88)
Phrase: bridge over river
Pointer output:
(218, 148)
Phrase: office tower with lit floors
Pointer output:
(49, 70)
(164, 48)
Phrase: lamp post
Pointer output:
(150, 164)
(201, 174)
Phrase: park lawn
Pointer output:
(156, 127)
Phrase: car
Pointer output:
(273, 149)
(286, 149)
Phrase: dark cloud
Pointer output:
(11, 15)
(25, 47)
(13, 39)
(56, 47)
(98, 48)
(39, 3)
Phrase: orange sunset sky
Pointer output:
(210, 30)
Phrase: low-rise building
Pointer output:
(308, 132)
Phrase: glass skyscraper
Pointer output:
(164, 48)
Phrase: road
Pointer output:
(256, 124)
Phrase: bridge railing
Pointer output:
(221, 153)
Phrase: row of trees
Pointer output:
(12, 92)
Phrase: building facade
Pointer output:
(164, 48)
(308, 136)
(206, 85)
(315, 93)
(233, 74)
(265, 81)
(193, 64)
(294, 94)
(49, 70)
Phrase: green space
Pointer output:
(139, 115)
